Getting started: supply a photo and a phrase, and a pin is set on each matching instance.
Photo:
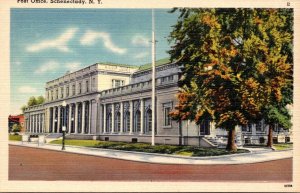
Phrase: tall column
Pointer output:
(76, 118)
(32, 124)
(35, 123)
(27, 125)
(58, 119)
(43, 123)
(131, 117)
(112, 118)
(98, 116)
(30, 120)
(83, 117)
(47, 120)
(121, 117)
(70, 117)
(53, 119)
(142, 115)
(104, 118)
(90, 116)
(39, 123)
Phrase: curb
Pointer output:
(155, 155)
(158, 154)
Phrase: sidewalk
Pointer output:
(256, 155)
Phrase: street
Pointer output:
(26, 163)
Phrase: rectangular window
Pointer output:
(94, 83)
(67, 91)
(260, 126)
(167, 117)
(56, 93)
(73, 89)
(62, 92)
(117, 83)
(171, 78)
(167, 120)
(87, 86)
(247, 128)
(52, 95)
(164, 79)
(79, 88)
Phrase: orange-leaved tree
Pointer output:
(223, 54)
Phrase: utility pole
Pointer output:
(153, 81)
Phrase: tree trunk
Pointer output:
(231, 146)
(270, 136)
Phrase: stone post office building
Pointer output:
(112, 102)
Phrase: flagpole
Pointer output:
(153, 81)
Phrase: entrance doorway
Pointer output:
(205, 127)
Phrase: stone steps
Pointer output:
(211, 140)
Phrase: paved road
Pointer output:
(26, 163)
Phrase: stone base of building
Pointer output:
(134, 138)
(82, 136)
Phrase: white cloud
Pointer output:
(47, 67)
(27, 90)
(18, 63)
(73, 66)
(141, 55)
(90, 37)
(59, 43)
(139, 40)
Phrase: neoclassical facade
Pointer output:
(112, 102)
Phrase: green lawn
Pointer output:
(15, 137)
(145, 147)
(85, 143)
(283, 146)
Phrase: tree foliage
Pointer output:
(33, 101)
(16, 128)
(235, 63)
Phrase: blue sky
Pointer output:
(45, 43)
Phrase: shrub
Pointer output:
(16, 128)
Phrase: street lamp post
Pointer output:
(64, 125)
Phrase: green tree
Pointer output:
(16, 128)
(40, 100)
(23, 108)
(32, 101)
(224, 54)
(276, 70)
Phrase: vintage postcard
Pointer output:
(149, 96)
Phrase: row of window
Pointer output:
(167, 78)
(260, 126)
(117, 83)
(72, 92)
(137, 119)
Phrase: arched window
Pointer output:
(148, 121)
(79, 116)
(51, 121)
(67, 118)
(86, 114)
(137, 121)
(118, 122)
(205, 127)
(127, 122)
(109, 122)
